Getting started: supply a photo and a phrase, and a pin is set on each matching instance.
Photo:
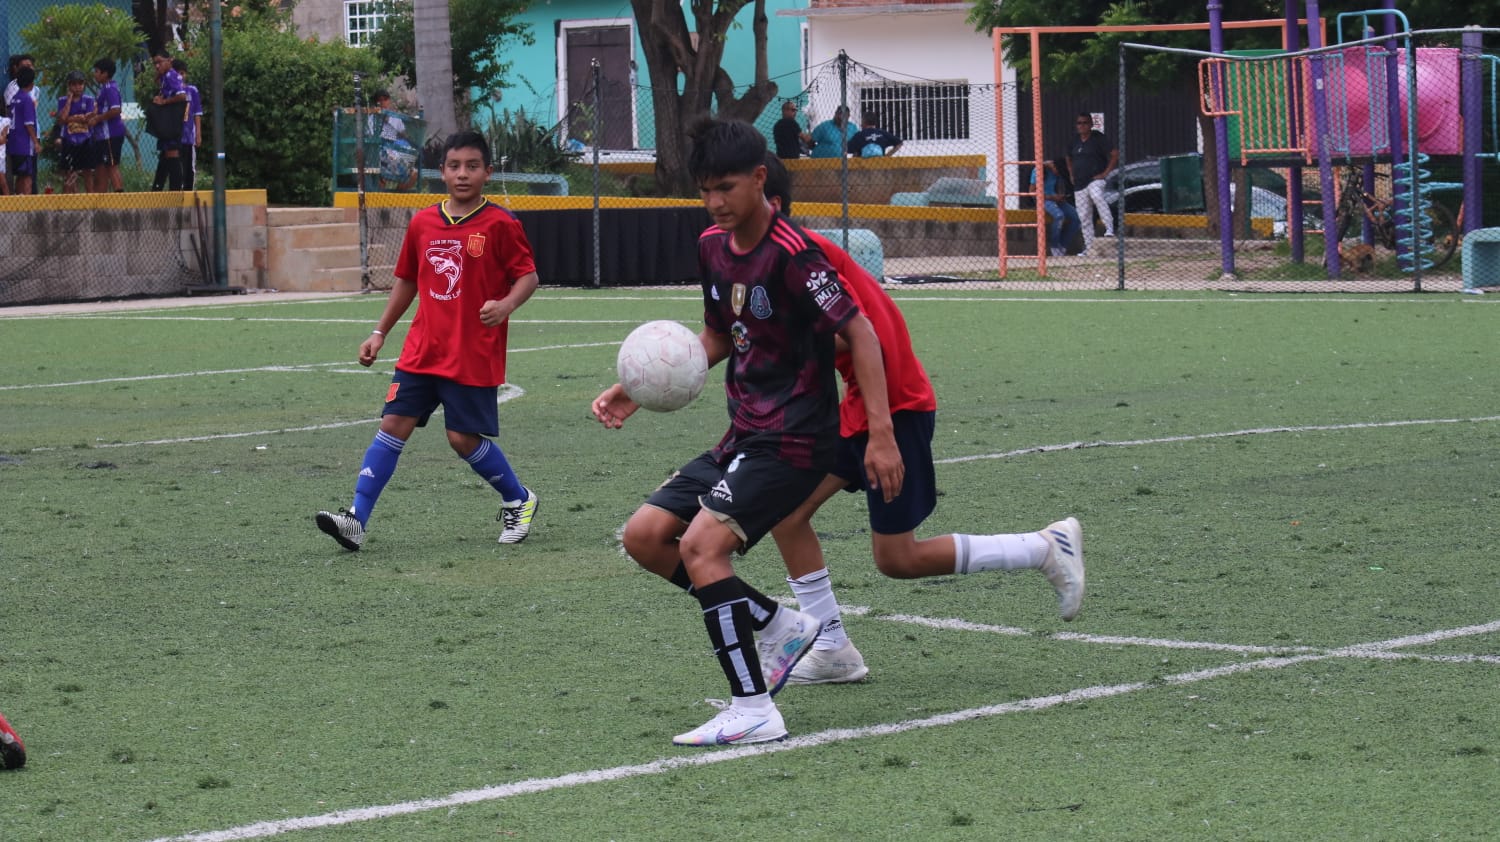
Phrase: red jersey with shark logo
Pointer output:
(457, 265)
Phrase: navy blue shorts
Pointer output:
(18, 165)
(466, 409)
(75, 157)
(749, 493)
(107, 151)
(918, 497)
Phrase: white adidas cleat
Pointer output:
(1064, 565)
(344, 527)
(843, 665)
(517, 519)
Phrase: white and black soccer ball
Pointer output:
(662, 365)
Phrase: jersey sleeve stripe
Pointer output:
(788, 238)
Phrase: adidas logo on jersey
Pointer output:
(366, 472)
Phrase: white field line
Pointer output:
(1253, 431)
(260, 830)
(507, 392)
(300, 367)
(362, 321)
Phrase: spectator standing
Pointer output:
(170, 91)
(1091, 158)
(192, 127)
(109, 129)
(831, 137)
(871, 141)
(75, 149)
(788, 135)
(4, 135)
(22, 144)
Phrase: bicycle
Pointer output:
(1439, 233)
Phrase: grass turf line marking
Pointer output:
(506, 393)
(260, 830)
(1254, 431)
(300, 367)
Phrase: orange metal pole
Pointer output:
(1038, 174)
(997, 48)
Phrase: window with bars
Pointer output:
(937, 111)
(362, 19)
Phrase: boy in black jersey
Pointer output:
(772, 307)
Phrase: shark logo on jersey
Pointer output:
(760, 303)
(447, 260)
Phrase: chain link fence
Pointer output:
(116, 238)
(955, 203)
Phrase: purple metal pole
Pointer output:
(1472, 109)
(1221, 140)
(1400, 199)
(1320, 132)
(1295, 116)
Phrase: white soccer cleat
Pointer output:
(1064, 565)
(783, 643)
(736, 726)
(517, 519)
(843, 665)
(344, 527)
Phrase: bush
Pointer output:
(280, 92)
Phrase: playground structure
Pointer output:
(1378, 102)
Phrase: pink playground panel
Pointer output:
(1438, 124)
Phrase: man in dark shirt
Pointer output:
(871, 141)
(788, 134)
(773, 305)
(1091, 158)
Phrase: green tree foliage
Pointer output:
(65, 38)
(482, 30)
(280, 94)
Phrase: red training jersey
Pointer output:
(458, 265)
(906, 383)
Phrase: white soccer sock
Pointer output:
(973, 553)
(815, 596)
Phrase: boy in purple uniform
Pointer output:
(773, 306)
(109, 129)
(74, 148)
(170, 91)
(22, 145)
(192, 128)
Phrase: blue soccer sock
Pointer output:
(380, 463)
(489, 461)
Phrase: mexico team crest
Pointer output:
(475, 247)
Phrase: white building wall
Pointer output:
(940, 46)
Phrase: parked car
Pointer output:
(1144, 191)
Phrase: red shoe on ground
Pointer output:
(12, 750)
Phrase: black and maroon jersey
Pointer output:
(781, 304)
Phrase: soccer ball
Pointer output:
(662, 366)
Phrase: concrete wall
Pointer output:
(72, 248)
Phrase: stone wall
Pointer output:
(122, 245)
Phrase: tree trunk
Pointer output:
(670, 53)
(434, 66)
